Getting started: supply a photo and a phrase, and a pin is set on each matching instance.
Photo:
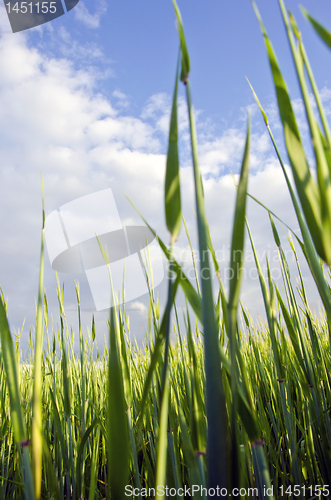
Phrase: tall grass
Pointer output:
(186, 424)
(229, 404)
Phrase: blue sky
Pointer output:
(139, 44)
(85, 100)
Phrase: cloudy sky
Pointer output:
(85, 101)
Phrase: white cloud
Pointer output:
(123, 100)
(158, 109)
(222, 152)
(52, 121)
(71, 48)
(90, 20)
(325, 94)
(139, 307)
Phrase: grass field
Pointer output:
(229, 406)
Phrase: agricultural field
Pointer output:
(214, 406)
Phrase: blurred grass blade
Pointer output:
(80, 454)
(118, 434)
(322, 167)
(172, 184)
(274, 230)
(189, 291)
(324, 34)
(307, 190)
(236, 263)
(16, 415)
(54, 487)
(188, 451)
(193, 258)
(317, 96)
(128, 417)
(238, 234)
(270, 310)
(155, 357)
(217, 449)
(185, 57)
(162, 444)
(307, 246)
(173, 220)
(9, 359)
(36, 431)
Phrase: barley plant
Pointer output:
(228, 404)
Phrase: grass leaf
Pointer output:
(172, 184)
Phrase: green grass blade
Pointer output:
(323, 33)
(306, 187)
(11, 369)
(162, 444)
(185, 57)
(193, 258)
(307, 246)
(16, 415)
(189, 291)
(118, 435)
(312, 82)
(322, 168)
(261, 470)
(172, 183)
(270, 311)
(188, 450)
(53, 484)
(80, 455)
(36, 431)
(236, 263)
(217, 451)
(155, 357)
(167, 325)
(94, 465)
